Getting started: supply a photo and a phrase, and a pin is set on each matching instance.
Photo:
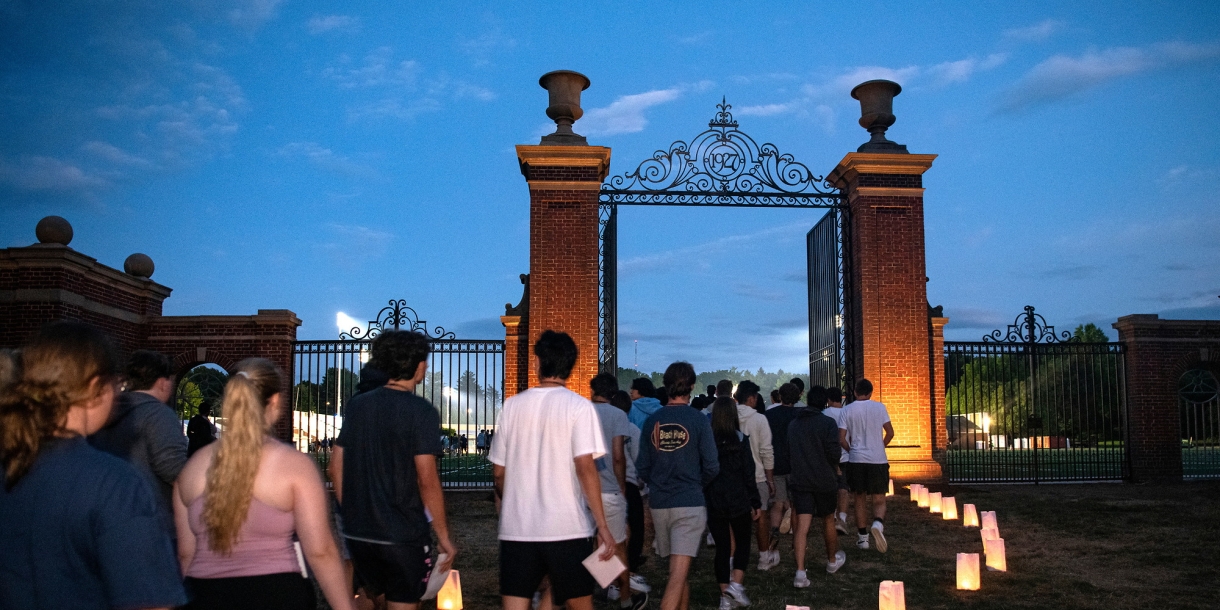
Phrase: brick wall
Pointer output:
(563, 284)
(1158, 353)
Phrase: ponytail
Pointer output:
(230, 477)
(55, 371)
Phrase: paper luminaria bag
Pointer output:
(948, 508)
(968, 571)
(934, 502)
(970, 516)
(891, 491)
(891, 596)
(915, 491)
(450, 595)
(923, 497)
(996, 561)
(989, 520)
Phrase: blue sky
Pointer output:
(326, 157)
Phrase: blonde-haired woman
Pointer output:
(238, 503)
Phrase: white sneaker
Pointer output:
(738, 594)
(862, 541)
(639, 584)
(785, 524)
(801, 581)
(841, 526)
(710, 541)
(840, 559)
(726, 603)
(765, 562)
(879, 536)
(612, 593)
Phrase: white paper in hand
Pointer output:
(604, 572)
(437, 579)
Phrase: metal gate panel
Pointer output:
(825, 315)
(1199, 402)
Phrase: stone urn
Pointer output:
(564, 87)
(877, 114)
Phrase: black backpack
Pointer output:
(729, 494)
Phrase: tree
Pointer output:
(1090, 333)
(200, 385)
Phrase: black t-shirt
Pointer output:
(383, 431)
(81, 530)
(780, 418)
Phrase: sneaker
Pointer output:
(801, 581)
(726, 603)
(840, 559)
(841, 527)
(862, 541)
(639, 601)
(785, 524)
(612, 593)
(710, 541)
(738, 594)
(765, 561)
(879, 536)
(639, 584)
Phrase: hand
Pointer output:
(771, 488)
(449, 550)
(608, 544)
(756, 514)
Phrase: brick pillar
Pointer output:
(890, 315)
(516, 343)
(564, 182)
(940, 431)
(1158, 353)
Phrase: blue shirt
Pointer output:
(81, 530)
(677, 457)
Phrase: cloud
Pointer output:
(751, 290)
(1063, 76)
(695, 38)
(961, 70)
(377, 69)
(625, 114)
(700, 253)
(352, 245)
(326, 159)
(113, 154)
(485, 47)
(404, 90)
(321, 24)
(1036, 33)
(47, 175)
(252, 13)
(972, 318)
(1071, 272)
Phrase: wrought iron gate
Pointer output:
(1030, 405)
(465, 382)
(722, 166)
(829, 344)
(1199, 401)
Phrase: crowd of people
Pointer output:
(106, 504)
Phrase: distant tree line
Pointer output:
(766, 381)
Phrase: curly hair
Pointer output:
(397, 353)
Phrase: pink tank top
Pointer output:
(264, 545)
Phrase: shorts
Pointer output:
(524, 564)
(615, 507)
(764, 494)
(679, 531)
(285, 591)
(816, 503)
(400, 571)
(868, 478)
(842, 477)
(781, 488)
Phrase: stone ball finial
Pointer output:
(139, 265)
(877, 113)
(564, 87)
(54, 230)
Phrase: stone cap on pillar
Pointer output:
(854, 164)
(564, 167)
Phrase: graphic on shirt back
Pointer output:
(669, 437)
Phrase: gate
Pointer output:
(465, 382)
(826, 278)
(723, 166)
(1199, 401)
(1030, 405)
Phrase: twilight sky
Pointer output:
(327, 157)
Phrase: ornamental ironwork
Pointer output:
(1029, 327)
(721, 166)
(396, 316)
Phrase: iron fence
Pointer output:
(1033, 406)
(465, 382)
(1199, 403)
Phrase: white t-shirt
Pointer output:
(836, 413)
(864, 421)
(541, 431)
(614, 424)
(632, 449)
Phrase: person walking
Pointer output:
(643, 401)
(80, 528)
(612, 469)
(145, 431)
(865, 432)
(545, 472)
(733, 503)
(384, 470)
(635, 499)
(677, 460)
(779, 418)
(756, 429)
(813, 442)
(834, 410)
(200, 431)
(238, 504)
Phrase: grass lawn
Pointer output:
(1105, 546)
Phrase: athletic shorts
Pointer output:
(816, 503)
(781, 488)
(679, 531)
(868, 478)
(284, 591)
(400, 571)
(764, 494)
(615, 507)
(524, 564)
(842, 477)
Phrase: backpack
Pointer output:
(728, 495)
